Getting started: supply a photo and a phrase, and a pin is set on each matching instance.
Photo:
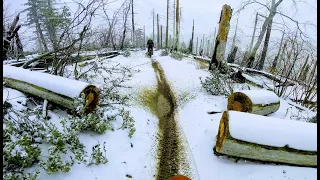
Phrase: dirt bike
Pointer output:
(150, 52)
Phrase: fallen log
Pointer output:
(261, 102)
(265, 139)
(56, 89)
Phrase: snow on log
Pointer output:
(261, 102)
(271, 140)
(56, 89)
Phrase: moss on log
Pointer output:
(239, 101)
(232, 147)
(91, 93)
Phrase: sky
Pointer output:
(206, 14)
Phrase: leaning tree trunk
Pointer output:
(13, 30)
(252, 54)
(266, 139)
(221, 40)
(265, 47)
(276, 59)
(57, 89)
(252, 101)
(232, 55)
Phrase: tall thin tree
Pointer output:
(167, 25)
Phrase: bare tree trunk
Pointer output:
(197, 47)
(302, 71)
(265, 46)
(153, 25)
(133, 30)
(312, 72)
(222, 37)
(144, 37)
(232, 55)
(124, 27)
(267, 21)
(174, 24)
(177, 27)
(160, 36)
(191, 40)
(167, 25)
(254, 32)
(158, 32)
(275, 61)
(235, 35)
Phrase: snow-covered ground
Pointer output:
(137, 156)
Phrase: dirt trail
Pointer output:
(169, 145)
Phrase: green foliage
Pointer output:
(126, 53)
(128, 122)
(176, 55)
(164, 52)
(97, 156)
(217, 83)
(313, 119)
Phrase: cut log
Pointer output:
(270, 140)
(261, 102)
(56, 89)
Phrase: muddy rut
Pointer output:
(169, 145)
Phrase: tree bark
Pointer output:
(275, 61)
(254, 32)
(233, 145)
(244, 102)
(191, 40)
(124, 27)
(177, 26)
(221, 40)
(253, 52)
(197, 47)
(232, 55)
(173, 24)
(167, 25)
(158, 32)
(265, 46)
(160, 36)
(133, 29)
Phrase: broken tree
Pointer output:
(270, 140)
(56, 89)
(221, 40)
(252, 101)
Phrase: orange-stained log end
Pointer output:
(239, 102)
(223, 131)
(92, 96)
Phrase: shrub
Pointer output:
(126, 53)
(313, 119)
(176, 55)
(164, 52)
(217, 83)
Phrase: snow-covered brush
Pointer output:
(56, 89)
(261, 102)
(270, 140)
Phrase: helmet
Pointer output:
(150, 39)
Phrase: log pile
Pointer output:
(59, 90)
(261, 102)
(270, 140)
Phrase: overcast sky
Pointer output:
(206, 14)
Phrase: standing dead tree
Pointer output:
(125, 20)
(167, 25)
(221, 40)
(191, 40)
(11, 34)
(177, 27)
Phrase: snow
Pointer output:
(272, 131)
(61, 85)
(17, 99)
(262, 97)
(198, 127)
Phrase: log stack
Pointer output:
(261, 102)
(271, 140)
(56, 89)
